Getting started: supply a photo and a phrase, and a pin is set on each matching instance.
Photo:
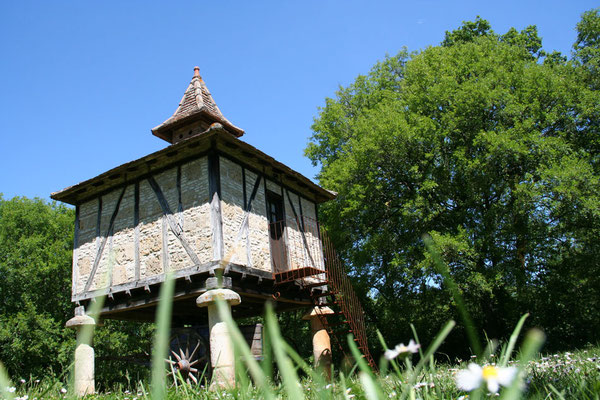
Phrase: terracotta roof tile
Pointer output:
(196, 101)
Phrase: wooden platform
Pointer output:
(298, 273)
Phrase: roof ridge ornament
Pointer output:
(197, 107)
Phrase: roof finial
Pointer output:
(197, 72)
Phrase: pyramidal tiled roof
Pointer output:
(197, 102)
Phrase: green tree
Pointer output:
(468, 32)
(478, 144)
(36, 244)
(35, 251)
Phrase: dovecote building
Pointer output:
(215, 214)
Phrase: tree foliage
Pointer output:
(489, 145)
(36, 244)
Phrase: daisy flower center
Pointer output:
(489, 372)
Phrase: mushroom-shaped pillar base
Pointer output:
(221, 347)
(320, 340)
(84, 355)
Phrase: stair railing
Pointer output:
(310, 258)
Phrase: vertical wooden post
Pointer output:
(214, 185)
(75, 272)
(136, 224)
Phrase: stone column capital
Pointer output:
(79, 321)
(316, 311)
(213, 295)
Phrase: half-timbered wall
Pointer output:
(245, 226)
(138, 232)
(302, 232)
(173, 220)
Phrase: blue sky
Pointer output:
(82, 83)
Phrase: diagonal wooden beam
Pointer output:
(301, 229)
(175, 227)
(111, 225)
(253, 195)
(247, 219)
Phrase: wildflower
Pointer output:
(22, 380)
(37, 381)
(11, 389)
(26, 397)
(63, 390)
(474, 375)
(402, 350)
(328, 386)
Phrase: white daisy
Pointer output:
(402, 350)
(11, 389)
(494, 377)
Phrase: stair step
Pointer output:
(297, 273)
(337, 323)
(331, 305)
(316, 284)
(315, 296)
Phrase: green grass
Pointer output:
(565, 375)
(283, 374)
(568, 375)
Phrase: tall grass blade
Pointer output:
(414, 331)
(5, 384)
(443, 270)
(531, 346)
(366, 376)
(512, 341)
(358, 356)
(161, 338)
(241, 348)
(371, 389)
(437, 342)
(556, 392)
(286, 368)
(267, 361)
(315, 374)
(383, 362)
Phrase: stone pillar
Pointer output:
(221, 347)
(84, 355)
(320, 341)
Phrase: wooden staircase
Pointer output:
(314, 264)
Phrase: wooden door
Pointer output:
(277, 231)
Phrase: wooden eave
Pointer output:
(166, 129)
(216, 138)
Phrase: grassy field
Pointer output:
(410, 372)
(556, 376)
(567, 375)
